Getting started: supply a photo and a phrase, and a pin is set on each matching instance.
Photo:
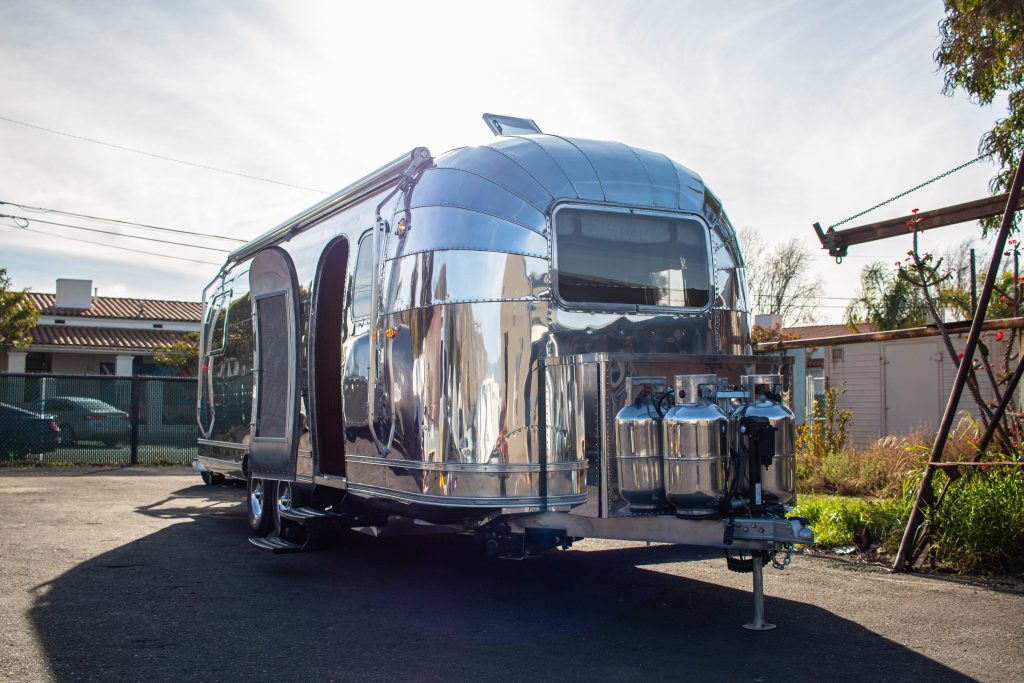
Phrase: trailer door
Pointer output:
(274, 289)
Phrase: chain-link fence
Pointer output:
(87, 419)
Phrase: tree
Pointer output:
(982, 52)
(886, 300)
(17, 315)
(780, 280)
(182, 355)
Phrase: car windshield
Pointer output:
(94, 405)
(627, 259)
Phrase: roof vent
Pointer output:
(511, 125)
(74, 294)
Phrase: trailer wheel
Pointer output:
(258, 502)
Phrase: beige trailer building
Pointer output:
(900, 380)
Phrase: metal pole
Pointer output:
(974, 284)
(924, 493)
(1000, 410)
(135, 403)
(757, 569)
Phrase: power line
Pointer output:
(111, 246)
(106, 232)
(40, 209)
(158, 156)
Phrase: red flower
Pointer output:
(999, 335)
(991, 366)
(960, 357)
(913, 211)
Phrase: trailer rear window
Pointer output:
(632, 260)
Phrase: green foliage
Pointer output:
(824, 435)
(982, 52)
(886, 300)
(841, 521)
(980, 525)
(182, 355)
(17, 315)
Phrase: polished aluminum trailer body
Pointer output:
(418, 340)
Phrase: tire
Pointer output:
(67, 435)
(259, 505)
(207, 477)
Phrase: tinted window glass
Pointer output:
(363, 279)
(626, 259)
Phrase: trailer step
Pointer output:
(306, 515)
(276, 544)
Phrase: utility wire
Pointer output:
(106, 232)
(158, 156)
(40, 209)
(111, 246)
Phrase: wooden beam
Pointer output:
(837, 241)
(959, 327)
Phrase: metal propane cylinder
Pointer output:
(763, 399)
(695, 439)
(638, 444)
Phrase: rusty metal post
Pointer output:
(924, 493)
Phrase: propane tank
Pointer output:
(763, 400)
(695, 437)
(638, 444)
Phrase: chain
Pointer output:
(785, 561)
(913, 189)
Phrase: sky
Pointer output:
(792, 112)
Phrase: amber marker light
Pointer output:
(389, 333)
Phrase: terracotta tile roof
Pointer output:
(123, 309)
(816, 331)
(102, 337)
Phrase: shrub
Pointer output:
(842, 521)
(980, 525)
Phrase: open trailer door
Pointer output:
(275, 421)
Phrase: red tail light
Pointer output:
(54, 426)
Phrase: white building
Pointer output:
(82, 334)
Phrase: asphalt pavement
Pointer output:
(146, 575)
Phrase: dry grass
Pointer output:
(881, 469)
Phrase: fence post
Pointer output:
(135, 403)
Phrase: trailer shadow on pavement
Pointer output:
(195, 601)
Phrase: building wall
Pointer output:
(896, 387)
(79, 363)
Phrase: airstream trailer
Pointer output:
(537, 339)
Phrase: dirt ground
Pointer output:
(145, 574)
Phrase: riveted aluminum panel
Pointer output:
(452, 187)
(447, 227)
(492, 164)
(575, 164)
(538, 162)
(623, 177)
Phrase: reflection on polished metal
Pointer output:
(695, 433)
(638, 445)
(778, 482)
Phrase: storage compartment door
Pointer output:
(274, 290)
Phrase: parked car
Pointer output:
(23, 432)
(85, 419)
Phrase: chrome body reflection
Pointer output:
(471, 383)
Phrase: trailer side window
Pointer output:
(215, 324)
(363, 279)
(625, 259)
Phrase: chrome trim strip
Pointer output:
(330, 480)
(463, 502)
(483, 468)
(217, 462)
(224, 444)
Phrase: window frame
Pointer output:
(367, 236)
(636, 309)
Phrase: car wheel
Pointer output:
(287, 496)
(67, 435)
(259, 502)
